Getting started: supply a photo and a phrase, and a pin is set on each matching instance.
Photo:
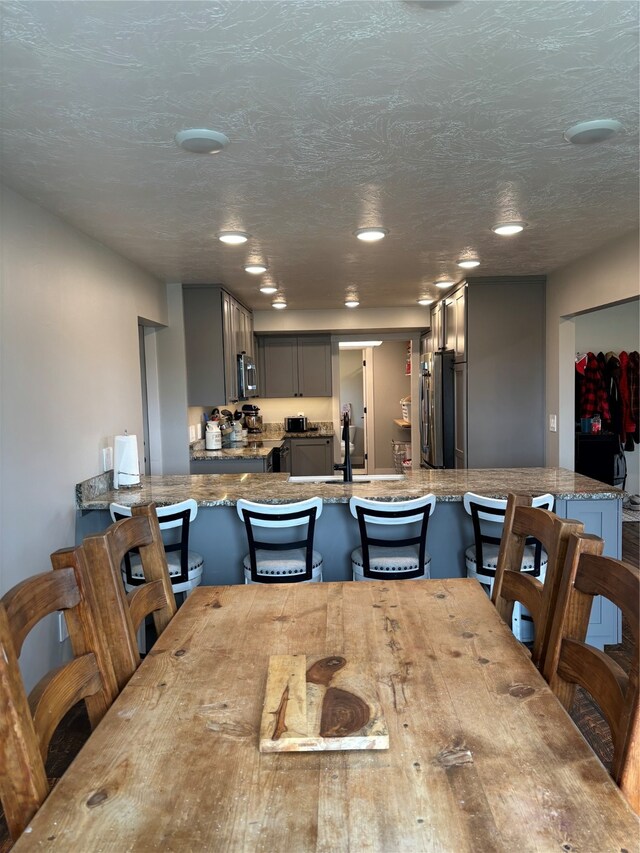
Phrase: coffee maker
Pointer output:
(252, 420)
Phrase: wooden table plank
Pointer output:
(481, 757)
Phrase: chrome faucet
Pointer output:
(346, 465)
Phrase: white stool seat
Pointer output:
(403, 559)
(490, 559)
(195, 565)
(284, 563)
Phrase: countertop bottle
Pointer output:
(212, 436)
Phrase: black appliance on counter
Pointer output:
(298, 424)
(599, 456)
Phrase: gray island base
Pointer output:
(219, 535)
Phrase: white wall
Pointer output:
(613, 329)
(607, 276)
(69, 381)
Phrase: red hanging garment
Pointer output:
(594, 392)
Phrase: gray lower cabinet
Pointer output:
(294, 366)
(311, 456)
(232, 466)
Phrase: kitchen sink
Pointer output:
(338, 478)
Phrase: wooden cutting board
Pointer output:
(321, 703)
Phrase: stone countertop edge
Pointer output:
(210, 490)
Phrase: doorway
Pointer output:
(353, 400)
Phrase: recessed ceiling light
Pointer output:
(267, 287)
(201, 140)
(351, 302)
(255, 269)
(587, 132)
(279, 303)
(507, 229)
(371, 235)
(468, 263)
(424, 300)
(233, 238)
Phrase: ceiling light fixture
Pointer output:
(507, 229)
(358, 344)
(279, 303)
(424, 300)
(268, 288)
(233, 238)
(468, 263)
(371, 235)
(255, 269)
(351, 302)
(443, 282)
(588, 132)
(201, 140)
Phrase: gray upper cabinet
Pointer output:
(437, 326)
(217, 328)
(456, 322)
(295, 366)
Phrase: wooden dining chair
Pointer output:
(522, 522)
(27, 722)
(120, 613)
(571, 661)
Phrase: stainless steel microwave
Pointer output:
(247, 377)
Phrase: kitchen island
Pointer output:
(219, 535)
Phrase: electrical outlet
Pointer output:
(62, 628)
(553, 423)
(192, 434)
(107, 458)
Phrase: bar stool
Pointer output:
(398, 558)
(481, 558)
(185, 566)
(296, 561)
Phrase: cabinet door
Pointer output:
(437, 326)
(229, 325)
(311, 456)
(204, 346)
(280, 367)
(460, 321)
(314, 367)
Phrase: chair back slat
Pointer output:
(524, 521)
(571, 661)
(27, 723)
(104, 553)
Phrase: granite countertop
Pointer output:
(257, 446)
(211, 490)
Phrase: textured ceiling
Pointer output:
(434, 120)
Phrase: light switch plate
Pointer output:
(192, 433)
(553, 423)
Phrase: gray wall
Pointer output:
(505, 357)
(69, 381)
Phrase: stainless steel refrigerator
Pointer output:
(437, 410)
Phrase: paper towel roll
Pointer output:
(126, 469)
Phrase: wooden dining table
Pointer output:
(481, 755)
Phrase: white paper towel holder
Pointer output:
(128, 474)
